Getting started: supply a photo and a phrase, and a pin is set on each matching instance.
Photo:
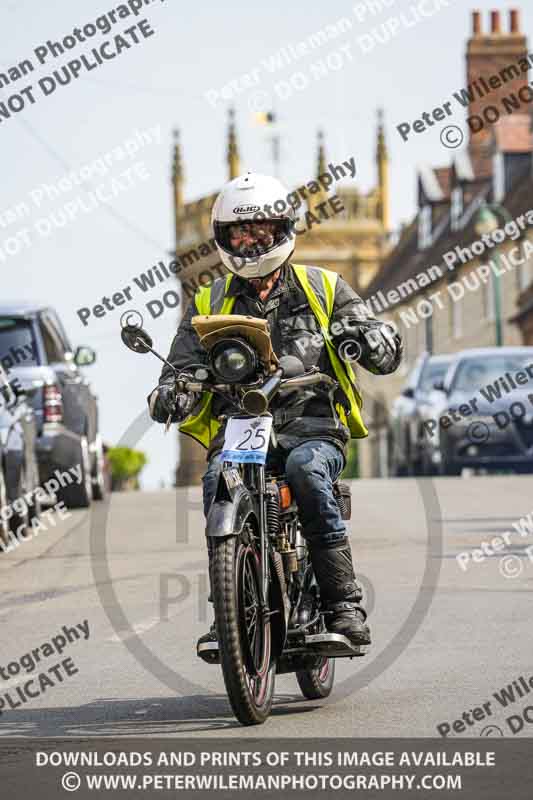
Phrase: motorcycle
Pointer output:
(266, 599)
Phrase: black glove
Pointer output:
(166, 401)
(381, 346)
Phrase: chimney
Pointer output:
(495, 55)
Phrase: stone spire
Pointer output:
(234, 166)
(319, 197)
(382, 160)
(177, 174)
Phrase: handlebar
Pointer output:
(288, 383)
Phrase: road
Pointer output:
(445, 639)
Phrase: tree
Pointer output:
(126, 466)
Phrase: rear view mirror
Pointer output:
(439, 386)
(408, 392)
(136, 339)
(84, 356)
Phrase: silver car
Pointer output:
(412, 451)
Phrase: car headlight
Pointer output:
(233, 361)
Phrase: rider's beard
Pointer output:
(264, 284)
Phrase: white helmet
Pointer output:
(254, 198)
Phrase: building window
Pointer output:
(424, 228)
(456, 207)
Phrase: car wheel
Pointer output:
(451, 468)
(428, 468)
(79, 495)
(20, 521)
(4, 524)
(99, 478)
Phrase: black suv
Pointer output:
(35, 348)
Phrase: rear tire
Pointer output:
(243, 638)
(79, 495)
(315, 684)
(99, 479)
(4, 524)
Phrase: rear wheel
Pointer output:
(79, 495)
(244, 634)
(99, 478)
(318, 682)
(4, 524)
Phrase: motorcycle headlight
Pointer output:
(233, 361)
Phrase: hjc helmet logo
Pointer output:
(245, 209)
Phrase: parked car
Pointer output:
(18, 465)
(36, 349)
(411, 449)
(498, 431)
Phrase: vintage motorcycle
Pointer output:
(266, 599)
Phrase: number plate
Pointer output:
(246, 440)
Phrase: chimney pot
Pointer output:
(495, 22)
(514, 18)
(476, 23)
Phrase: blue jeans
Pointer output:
(311, 469)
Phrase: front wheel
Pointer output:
(244, 634)
(318, 682)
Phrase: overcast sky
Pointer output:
(162, 83)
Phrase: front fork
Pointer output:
(259, 482)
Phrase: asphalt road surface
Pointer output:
(445, 638)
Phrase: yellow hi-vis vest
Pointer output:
(318, 285)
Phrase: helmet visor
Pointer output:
(252, 239)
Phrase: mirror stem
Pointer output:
(174, 370)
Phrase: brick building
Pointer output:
(431, 285)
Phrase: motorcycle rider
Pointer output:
(313, 428)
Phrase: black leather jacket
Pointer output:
(293, 329)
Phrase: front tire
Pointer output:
(244, 638)
(317, 683)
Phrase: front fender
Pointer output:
(232, 506)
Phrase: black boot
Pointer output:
(340, 594)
